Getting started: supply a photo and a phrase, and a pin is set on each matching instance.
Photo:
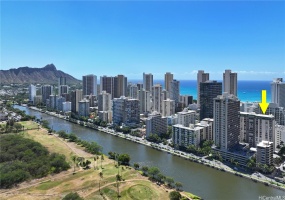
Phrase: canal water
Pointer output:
(201, 180)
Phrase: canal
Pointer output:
(201, 180)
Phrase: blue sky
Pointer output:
(123, 37)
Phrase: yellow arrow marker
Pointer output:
(263, 105)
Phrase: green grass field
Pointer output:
(86, 182)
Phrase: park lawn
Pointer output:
(29, 124)
(135, 190)
(86, 182)
(53, 144)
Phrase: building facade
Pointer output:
(168, 77)
(76, 96)
(145, 103)
(186, 117)
(256, 127)
(201, 78)
(226, 121)
(156, 98)
(168, 107)
(264, 153)
(156, 124)
(46, 90)
(230, 82)
(89, 85)
(125, 111)
(208, 91)
(147, 82)
(278, 92)
(32, 93)
(184, 136)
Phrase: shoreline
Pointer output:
(190, 157)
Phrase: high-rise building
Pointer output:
(278, 92)
(144, 99)
(89, 84)
(201, 78)
(174, 92)
(76, 96)
(66, 96)
(164, 95)
(62, 89)
(61, 81)
(66, 106)
(186, 117)
(264, 153)
(134, 93)
(156, 124)
(256, 127)
(46, 91)
(207, 123)
(276, 111)
(120, 86)
(147, 82)
(125, 111)
(83, 108)
(208, 91)
(156, 98)
(168, 107)
(140, 86)
(38, 100)
(32, 93)
(226, 121)
(107, 84)
(104, 101)
(168, 77)
(92, 100)
(53, 100)
(279, 136)
(186, 100)
(184, 136)
(230, 82)
(60, 102)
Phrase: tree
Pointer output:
(153, 171)
(136, 166)
(94, 162)
(145, 170)
(112, 155)
(18, 126)
(74, 158)
(124, 159)
(178, 185)
(169, 181)
(118, 179)
(101, 174)
(72, 137)
(72, 196)
(160, 177)
(45, 124)
(102, 158)
(174, 195)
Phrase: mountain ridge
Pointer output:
(28, 75)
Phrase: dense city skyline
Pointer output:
(110, 38)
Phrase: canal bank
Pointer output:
(201, 180)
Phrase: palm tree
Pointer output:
(101, 176)
(102, 158)
(74, 158)
(118, 179)
(94, 162)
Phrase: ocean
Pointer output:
(247, 90)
